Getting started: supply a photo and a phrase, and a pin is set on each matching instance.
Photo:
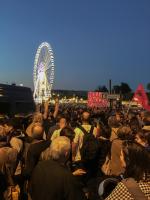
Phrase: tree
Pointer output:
(148, 86)
(125, 88)
(102, 88)
(116, 89)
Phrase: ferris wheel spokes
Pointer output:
(43, 73)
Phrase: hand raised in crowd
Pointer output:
(56, 100)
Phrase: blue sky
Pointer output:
(93, 41)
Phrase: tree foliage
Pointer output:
(116, 89)
(102, 88)
(124, 88)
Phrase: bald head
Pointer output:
(86, 117)
(37, 131)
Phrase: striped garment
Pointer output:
(121, 192)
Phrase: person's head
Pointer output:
(9, 125)
(143, 138)
(134, 125)
(131, 115)
(124, 133)
(118, 116)
(113, 122)
(85, 117)
(60, 149)
(63, 122)
(105, 131)
(37, 131)
(38, 117)
(135, 159)
(68, 132)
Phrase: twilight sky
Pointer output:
(93, 41)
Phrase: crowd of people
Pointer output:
(75, 152)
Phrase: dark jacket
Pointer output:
(33, 154)
(52, 181)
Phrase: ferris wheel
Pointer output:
(43, 73)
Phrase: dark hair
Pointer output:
(62, 116)
(134, 125)
(68, 132)
(105, 131)
(137, 160)
(125, 133)
(10, 122)
(113, 122)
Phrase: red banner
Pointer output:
(95, 99)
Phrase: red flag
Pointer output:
(140, 97)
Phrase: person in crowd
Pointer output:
(53, 127)
(143, 139)
(140, 117)
(37, 119)
(135, 125)
(114, 124)
(47, 119)
(136, 162)
(50, 116)
(51, 179)
(63, 122)
(78, 139)
(105, 144)
(85, 151)
(34, 150)
(30, 157)
(68, 132)
(8, 164)
(115, 167)
(10, 136)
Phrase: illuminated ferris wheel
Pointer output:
(43, 74)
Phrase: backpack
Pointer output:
(90, 147)
(106, 186)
